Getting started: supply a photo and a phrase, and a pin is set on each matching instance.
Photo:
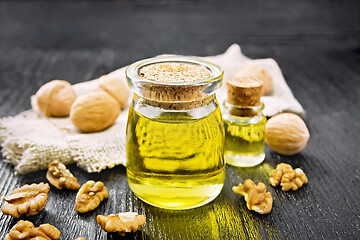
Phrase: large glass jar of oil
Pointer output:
(175, 136)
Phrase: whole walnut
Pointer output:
(55, 98)
(94, 112)
(116, 88)
(286, 133)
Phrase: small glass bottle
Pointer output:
(244, 123)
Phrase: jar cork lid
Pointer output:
(174, 72)
(174, 82)
(244, 91)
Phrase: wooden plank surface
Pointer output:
(316, 44)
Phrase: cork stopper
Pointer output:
(244, 91)
(258, 72)
(174, 82)
(174, 72)
(176, 95)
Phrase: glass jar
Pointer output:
(175, 136)
(244, 135)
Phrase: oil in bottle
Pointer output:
(244, 123)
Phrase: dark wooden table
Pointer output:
(316, 44)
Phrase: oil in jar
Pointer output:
(175, 161)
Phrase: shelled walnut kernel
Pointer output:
(60, 177)
(121, 223)
(90, 196)
(25, 230)
(287, 177)
(256, 197)
(293, 180)
(276, 174)
(28, 200)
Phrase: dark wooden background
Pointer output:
(316, 44)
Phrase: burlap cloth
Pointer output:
(31, 141)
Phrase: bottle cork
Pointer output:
(258, 72)
(244, 92)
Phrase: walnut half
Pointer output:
(287, 177)
(90, 196)
(25, 230)
(60, 177)
(28, 200)
(121, 223)
(276, 174)
(293, 180)
(256, 197)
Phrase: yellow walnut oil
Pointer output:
(244, 140)
(174, 160)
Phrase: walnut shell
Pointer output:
(55, 98)
(94, 112)
(286, 133)
(116, 88)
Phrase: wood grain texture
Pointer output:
(316, 44)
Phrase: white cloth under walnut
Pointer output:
(31, 141)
